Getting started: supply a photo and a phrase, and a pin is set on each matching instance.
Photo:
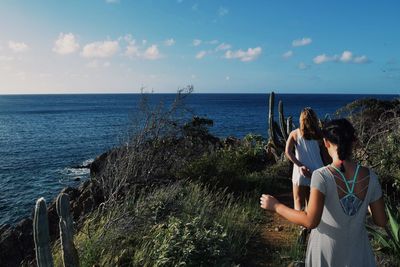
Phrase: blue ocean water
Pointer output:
(42, 137)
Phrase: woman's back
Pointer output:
(307, 151)
(341, 238)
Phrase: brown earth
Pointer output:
(274, 245)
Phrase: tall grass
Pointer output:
(184, 224)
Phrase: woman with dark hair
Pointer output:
(340, 196)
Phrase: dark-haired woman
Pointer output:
(340, 196)
(305, 141)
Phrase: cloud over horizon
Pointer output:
(65, 44)
(18, 47)
(345, 57)
(102, 49)
(244, 56)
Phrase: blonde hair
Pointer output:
(309, 126)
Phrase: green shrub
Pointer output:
(185, 243)
(389, 156)
(239, 169)
(180, 224)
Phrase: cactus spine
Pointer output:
(69, 253)
(41, 235)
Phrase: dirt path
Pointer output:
(276, 240)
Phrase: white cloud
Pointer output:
(196, 42)
(169, 42)
(223, 11)
(152, 53)
(346, 56)
(302, 42)
(361, 60)
(201, 54)
(245, 56)
(18, 47)
(127, 38)
(223, 47)
(65, 44)
(324, 58)
(287, 54)
(100, 49)
(132, 51)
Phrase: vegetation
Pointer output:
(177, 196)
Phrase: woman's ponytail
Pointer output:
(341, 133)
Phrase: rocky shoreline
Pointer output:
(16, 242)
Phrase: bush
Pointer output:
(180, 243)
(180, 224)
(240, 169)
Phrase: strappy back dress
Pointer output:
(341, 238)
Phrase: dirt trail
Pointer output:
(277, 236)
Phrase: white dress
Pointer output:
(340, 239)
(308, 153)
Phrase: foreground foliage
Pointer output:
(184, 224)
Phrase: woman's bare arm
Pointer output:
(290, 155)
(309, 219)
(290, 147)
(378, 212)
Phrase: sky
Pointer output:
(218, 46)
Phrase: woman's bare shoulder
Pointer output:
(294, 134)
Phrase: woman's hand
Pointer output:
(268, 202)
(305, 171)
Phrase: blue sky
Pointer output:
(112, 46)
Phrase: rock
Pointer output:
(10, 253)
(77, 179)
(278, 228)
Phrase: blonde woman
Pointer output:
(306, 142)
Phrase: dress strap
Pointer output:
(350, 190)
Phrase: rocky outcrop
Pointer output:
(16, 243)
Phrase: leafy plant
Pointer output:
(389, 240)
(180, 243)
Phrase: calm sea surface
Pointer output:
(43, 137)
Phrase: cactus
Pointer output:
(41, 235)
(289, 125)
(69, 253)
(282, 122)
(42, 238)
(273, 139)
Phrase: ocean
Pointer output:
(43, 137)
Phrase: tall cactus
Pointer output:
(69, 253)
(271, 129)
(282, 122)
(289, 125)
(41, 235)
